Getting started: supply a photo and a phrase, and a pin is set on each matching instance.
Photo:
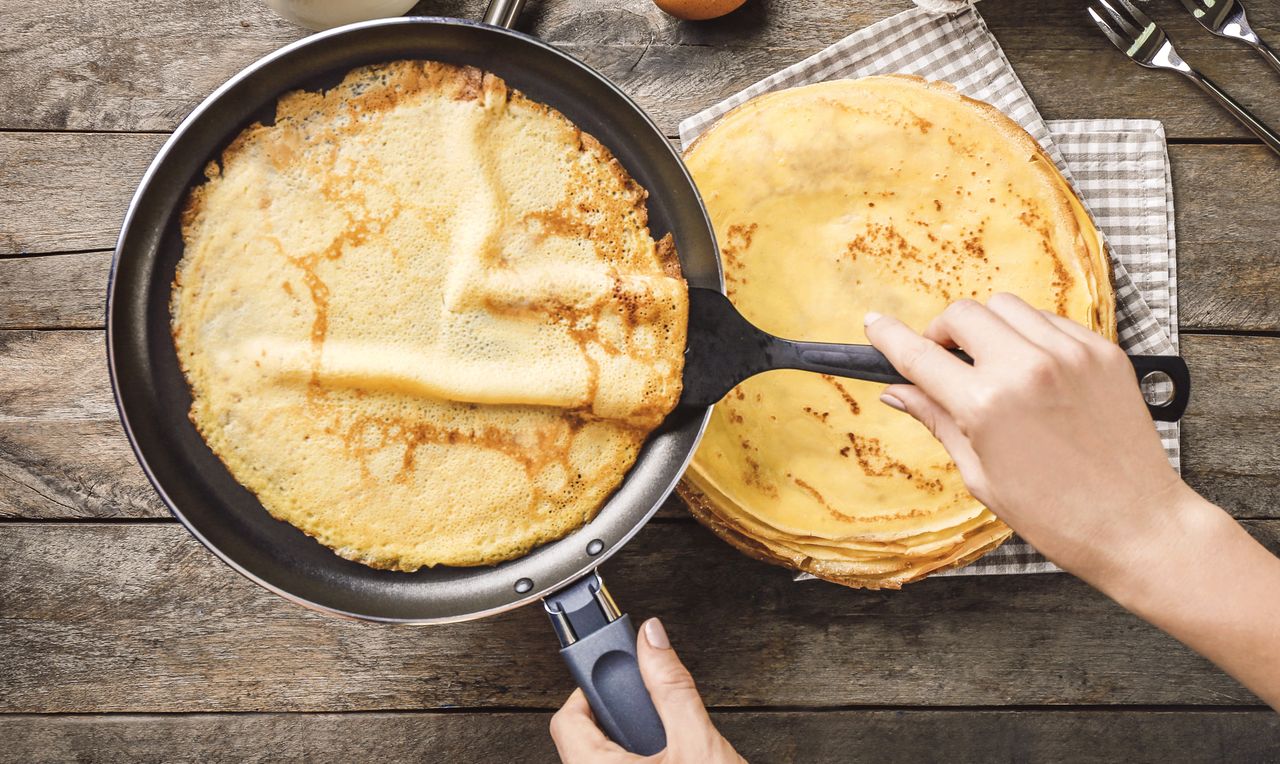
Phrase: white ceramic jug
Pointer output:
(325, 14)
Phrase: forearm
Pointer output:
(1049, 430)
(1203, 579)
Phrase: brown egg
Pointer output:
(698, 10)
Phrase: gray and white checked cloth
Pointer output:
(1119, 167)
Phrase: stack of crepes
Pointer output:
(887, 194)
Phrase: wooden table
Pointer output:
(122, 638)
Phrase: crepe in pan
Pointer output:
(423, 318)
(887, 194)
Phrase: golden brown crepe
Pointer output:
(886, 194)
(423, 318)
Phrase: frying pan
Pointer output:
(598, 641)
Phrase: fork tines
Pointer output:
(1131, 30)
(1145, 43)
(1212, 14)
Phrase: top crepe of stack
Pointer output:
(887, 194)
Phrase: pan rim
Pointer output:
(129, 222)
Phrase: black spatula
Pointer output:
(724, 349)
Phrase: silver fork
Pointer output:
(1142, 40)
(1226, 18)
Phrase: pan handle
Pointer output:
(503, 13)
(599, 645)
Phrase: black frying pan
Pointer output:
(598, 642)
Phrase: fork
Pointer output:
(1142, 40)
(1226, 18)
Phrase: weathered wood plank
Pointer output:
(54, 376)
(62, 450)
(72, 469)
(64, 455)
(906, 736)
(69, 191)
(1228, 249)
(105, 66)
(52, 200)
(1230, 452)
(62, 291)
(140, 618)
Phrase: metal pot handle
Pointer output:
(599, 645)
(503, 13)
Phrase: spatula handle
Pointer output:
(867, 363)
(724, 348)
(852, 361)
(1149, 368)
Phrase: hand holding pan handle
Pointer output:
(599, 644)
(724, 349)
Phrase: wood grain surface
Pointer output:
(901, 736)
(124, 66)
(128, 617)
(124, 640)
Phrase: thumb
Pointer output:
(931, 414)
(671, 686)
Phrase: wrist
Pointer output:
(1145, 574)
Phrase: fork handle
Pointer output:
(1259, 129)
(1268, 54)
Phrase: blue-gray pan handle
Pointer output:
(599, 645)
(604, 666)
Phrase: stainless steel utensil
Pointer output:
(1226, 18)
(1142, 40)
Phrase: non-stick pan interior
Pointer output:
(154, 398)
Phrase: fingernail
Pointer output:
(893, 402)
(655, 635)
(871, 317)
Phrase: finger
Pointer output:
(931, 414)
(972, 326)
(920, 360)
(1029, 322)
(1069, 327)
(577, 738)
(674, 694)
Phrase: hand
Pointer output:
(1049, 430)
(1048, 427)
(691, 737)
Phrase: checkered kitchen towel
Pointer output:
(1119, 167)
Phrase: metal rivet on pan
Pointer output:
(595, 547)
(524, 585)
